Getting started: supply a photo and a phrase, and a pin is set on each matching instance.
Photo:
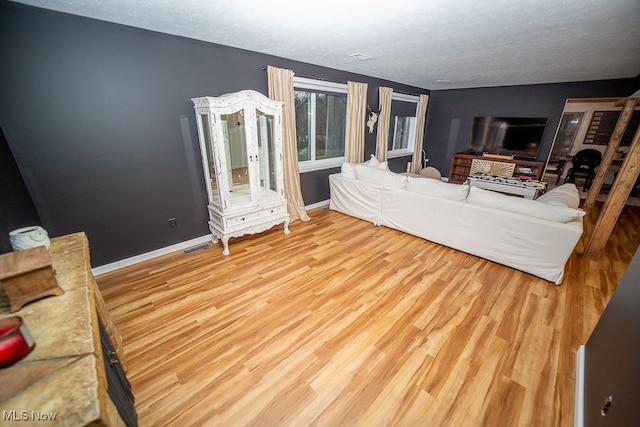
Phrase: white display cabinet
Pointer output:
(241, 142)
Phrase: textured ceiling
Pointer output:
(432, 44)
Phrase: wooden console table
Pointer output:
(461, 166)
(76, 372)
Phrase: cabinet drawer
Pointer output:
(240, 221)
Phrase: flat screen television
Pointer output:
(518, 136)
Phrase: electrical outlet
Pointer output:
(606, 406)
(173, 223)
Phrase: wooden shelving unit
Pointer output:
(461, 165)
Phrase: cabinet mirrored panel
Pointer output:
(236, 157)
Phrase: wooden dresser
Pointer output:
(75, 376)
(461, 165)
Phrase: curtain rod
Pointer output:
(309, 76)
(324, 79)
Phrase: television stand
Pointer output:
(461, 166)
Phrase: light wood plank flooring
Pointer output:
(344, 323)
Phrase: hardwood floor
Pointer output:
(344, 323)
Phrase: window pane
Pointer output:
(403, 108)
(403, 132)
(321, 122)
(401, 125)
(400, 132)
(331, 122)
(303, 123)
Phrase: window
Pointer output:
(402, 125)
(321, 123)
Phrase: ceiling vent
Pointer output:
(361, 56)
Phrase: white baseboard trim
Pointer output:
(317, 205)
(149, 255)
(173, 248)
(578, 418)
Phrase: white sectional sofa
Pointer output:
(534, 236)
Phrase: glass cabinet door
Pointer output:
(213, 188)
(236, 157)
(267, 155)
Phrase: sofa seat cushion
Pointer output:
(382, 177)
(492, 199)
(437, 188)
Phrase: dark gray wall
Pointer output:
(99, 119)
(611, 356)
(16, 207)
(451, 112)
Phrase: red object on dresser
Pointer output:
(15, 341)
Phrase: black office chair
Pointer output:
(583, 165)
(556, 167)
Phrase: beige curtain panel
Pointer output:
(281, 89)
(416, 161)
(356, 119)
(383, 122)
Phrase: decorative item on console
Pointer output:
(29, 237)
(15, 341)
(27, 276)
(489, 167)
(522, 186)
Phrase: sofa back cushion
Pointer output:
(491, 199)
(348, 170)
(437, 188)
(382, 177)
(374, 162)
(566, 195)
